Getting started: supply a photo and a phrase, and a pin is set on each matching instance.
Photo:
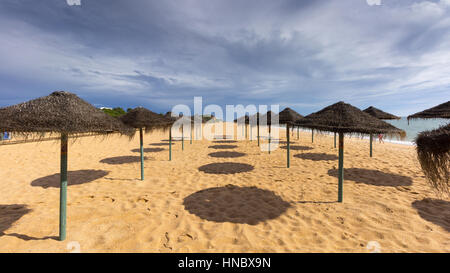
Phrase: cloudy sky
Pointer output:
(393, 54)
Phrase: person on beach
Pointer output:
(380, 138)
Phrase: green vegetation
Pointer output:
(115, 112)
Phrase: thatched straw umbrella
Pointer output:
(141, 118)
(439, 111)
(268, 117)
(288, 117)
(63, 113)
(246, 120)
(344, 118)
(433, 151)
(379, 114)
(433, 148)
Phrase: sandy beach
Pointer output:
(219, 197)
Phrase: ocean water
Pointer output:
(416, 126)
(412, 130)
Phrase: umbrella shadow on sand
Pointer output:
(435, 211)
(73, 178)
(223, 146)
(225, 141)
(117, 160)
(226, 168)
(226, 154)
(9, 214)
(233, 204)
(297, 148)
(161, 144)
(317, 156)
(373, 177)
(148, 150)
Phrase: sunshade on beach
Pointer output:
(142, 118)
(288, 117)
(63, 113)
(439, 111)
(379, 114)
(433, 148)
(343, 118)
(433, 152)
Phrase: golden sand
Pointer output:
(194, 203)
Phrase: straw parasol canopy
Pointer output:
(433, 152)
(344, 118)
(60, 112)
(64, 113)
(439, 111)
(288, 116)
(244, 119)
(379, 114)
(140, 117)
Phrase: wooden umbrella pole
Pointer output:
(258, 134)
(269, 138)
(141, 140)
(63, 188)
(288, 144)
(182, 137)
(341, 167)
(334, 139)
(298, 133)
(312, 135)
(191, 133)
(245, 131)
(371, 139)
(170, 144)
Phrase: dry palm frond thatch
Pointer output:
(60, 112)
(439, 111)
(288, 116)
(433, 152)
(141, 117)
(344, 118)
(379, 114)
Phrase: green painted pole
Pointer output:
(312, 135)
(182, 138)
(341, 167)
(371, 137)
(63, 188)
(246, 127)
(258, 134)
(142, 152)
(170, 144)
(288, 144)
(334, 139)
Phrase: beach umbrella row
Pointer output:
(343, 118)
(142, 118)
(67, 115)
